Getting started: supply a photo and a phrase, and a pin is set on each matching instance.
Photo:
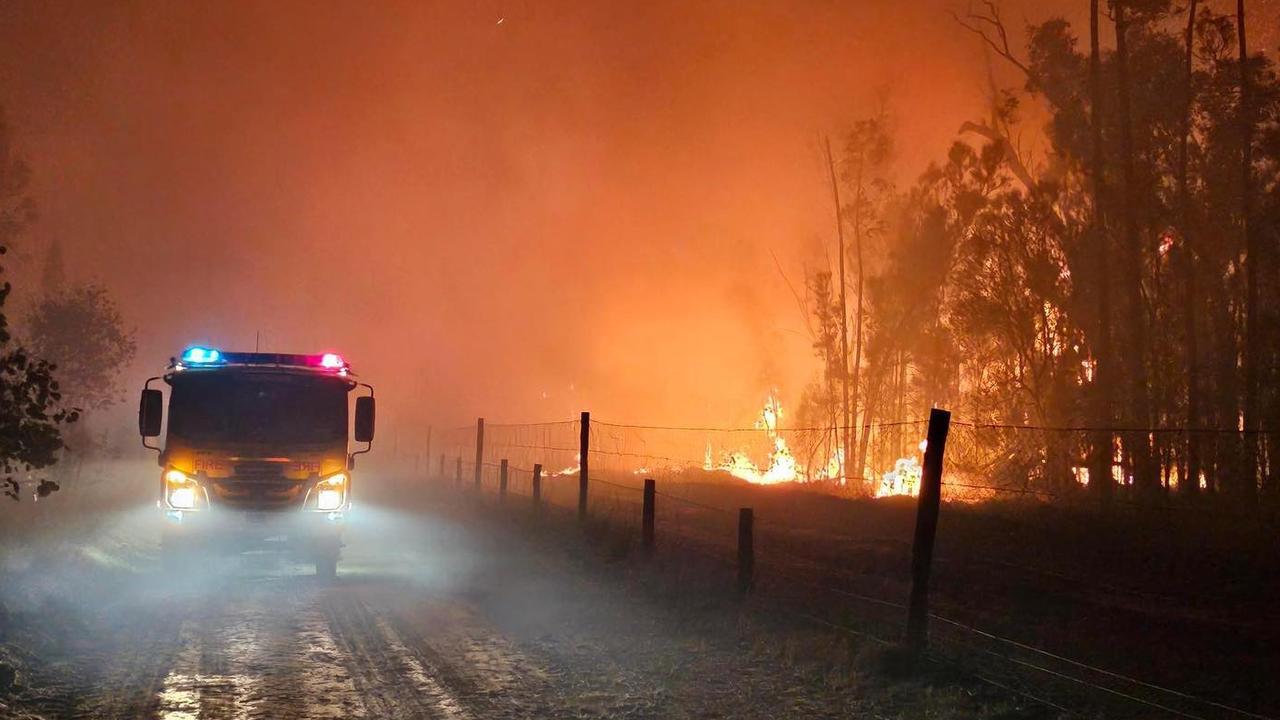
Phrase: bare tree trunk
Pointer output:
(1250, 480)
(845, 421)
(1103, 451)
(857, 348)
(1144, 477)
(864, 440)
(1189, 483)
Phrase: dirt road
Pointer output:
(430, 617)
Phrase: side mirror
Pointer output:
(364, 419)
(150, 413)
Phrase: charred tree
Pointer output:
(846, 422)
(1190, 482)
(1102, 444)
(856, 370)
(1132, 263)
(1249, 479)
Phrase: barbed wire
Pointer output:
(694, 503)
(955, 422)
(1093, 668)
(828, 428)
(976, 425)
(994, 488)
(615, 485)
(694, 545)
(684, 462)
(551, 448)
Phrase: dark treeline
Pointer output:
(1122, 278)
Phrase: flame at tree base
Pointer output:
(782, 463)
(903, 479)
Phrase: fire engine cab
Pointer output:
(257, 452)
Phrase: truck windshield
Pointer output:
(258, 408)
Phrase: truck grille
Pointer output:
(258, 486)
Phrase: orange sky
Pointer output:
(573, 208)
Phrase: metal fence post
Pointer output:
(537, 484)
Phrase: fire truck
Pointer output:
(259, 452)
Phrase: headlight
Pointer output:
(181, 490)
(331, 492)
(183, 498)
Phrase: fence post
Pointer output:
(746, 551)
(537, 484)
(584, 452)
(479, 450)
(426, 451)
(502, 480)
(457, 480)
(646, 518)
(926, 529)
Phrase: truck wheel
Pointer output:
(327, 566)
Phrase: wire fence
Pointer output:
(847, 570)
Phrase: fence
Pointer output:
(866, 573)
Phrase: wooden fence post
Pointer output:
(746, 551)
(584, 452)
(479, 450)
(457, 480)
(926, 529)
(646, 517)
(502, 480)
(426, 451)
(537, 484)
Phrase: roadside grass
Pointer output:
(1182, 596)
(816, 661)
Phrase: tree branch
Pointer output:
(973, 22)
(1010, 155)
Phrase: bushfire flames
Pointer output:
(903, 479)
(782, 463)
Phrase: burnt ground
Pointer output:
(450, 608)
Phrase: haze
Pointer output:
(512, 209)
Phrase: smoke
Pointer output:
(101, 539)
(573, 208)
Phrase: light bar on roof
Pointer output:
(197, 355)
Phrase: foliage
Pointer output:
(80, 329)
(32, 411)
(986, 296)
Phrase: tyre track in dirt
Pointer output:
(257, 650)
(119, 679)
(392, 680)
(470, 655)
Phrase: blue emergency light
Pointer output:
(201, 356)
